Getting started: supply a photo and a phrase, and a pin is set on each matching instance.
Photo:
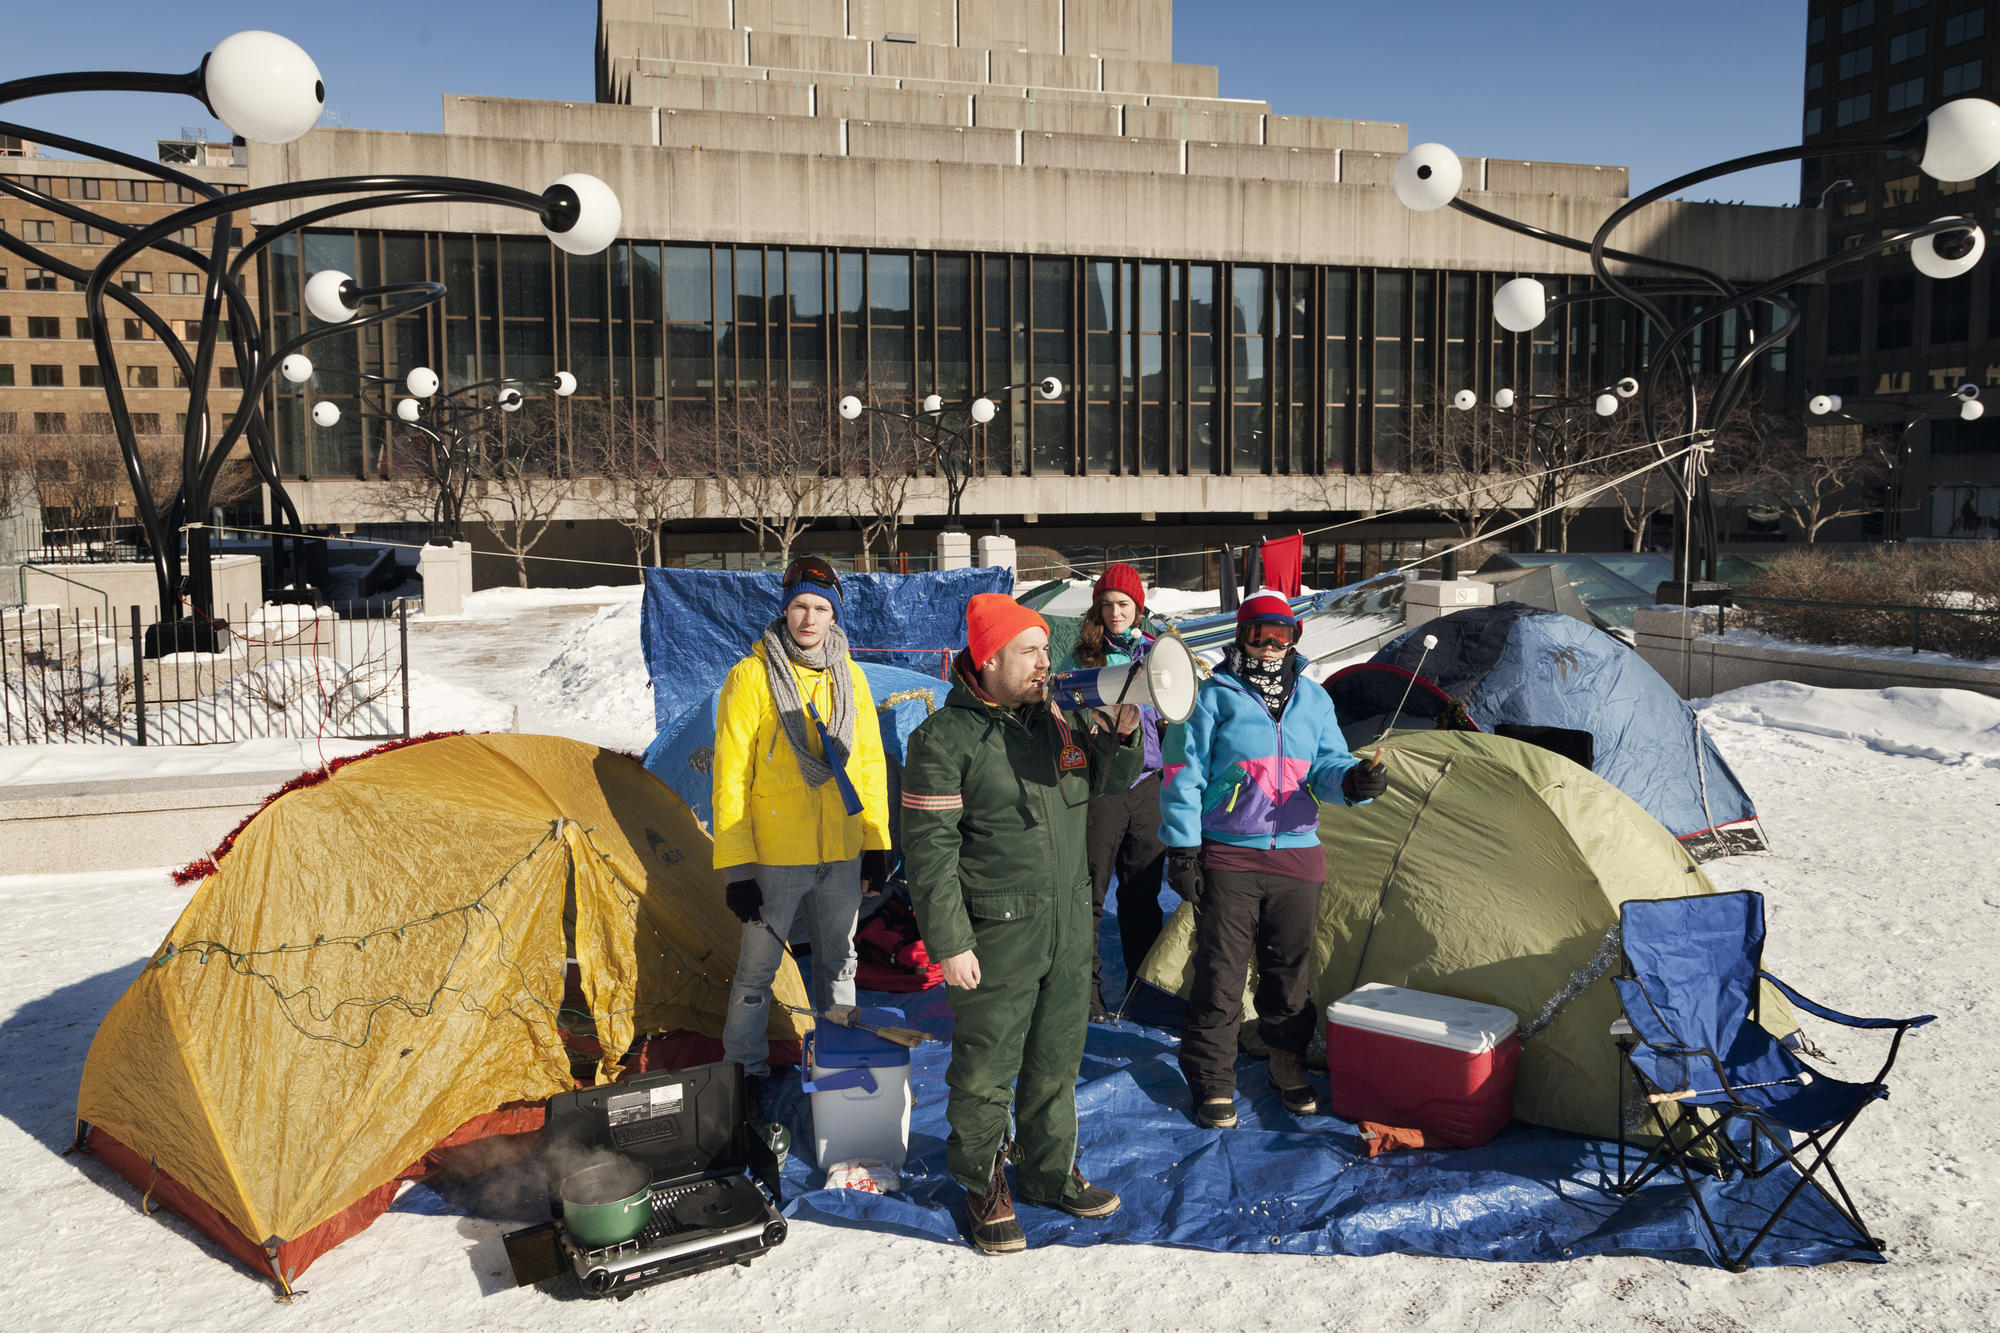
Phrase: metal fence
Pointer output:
(1967, 632)
(299, 671)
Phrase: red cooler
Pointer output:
(1421, 1061)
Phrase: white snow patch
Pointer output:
(1951, 726)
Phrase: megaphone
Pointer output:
(1166, 678)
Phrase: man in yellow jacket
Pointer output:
(801, 794)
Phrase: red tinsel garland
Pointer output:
(202, 867)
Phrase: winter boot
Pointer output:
(995, 1229)
(1081, 1199)
(1288, 1076)
(1215, 1113)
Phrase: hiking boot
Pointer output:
(1288, 1077)
(1215, 1113)
(994, 1228)
(1098, 1013)
(1082, 1199)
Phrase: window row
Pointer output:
(136, 377)
(132, 280)
(1171, 367)
(131, 330)
(90, 423)
(119, 191)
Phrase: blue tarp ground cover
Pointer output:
(1274, 1185)
(1280, 1185)
(694, 624)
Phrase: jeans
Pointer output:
(830, 896)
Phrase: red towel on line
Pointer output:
(1284, 564)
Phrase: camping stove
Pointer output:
(697, 1226)
(713, 1184)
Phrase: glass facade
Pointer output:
(1171, 367)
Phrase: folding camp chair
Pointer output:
(1747, 1103)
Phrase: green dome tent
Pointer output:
(1492, 871)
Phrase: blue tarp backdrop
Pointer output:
(696, 623)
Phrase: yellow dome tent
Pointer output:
(378, 960)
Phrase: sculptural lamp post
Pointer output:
(451, 424)
(265, 89)
(951, 426)
(1957, 142)
(1907, 411)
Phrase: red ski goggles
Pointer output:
(811, 569)
(1266, 633)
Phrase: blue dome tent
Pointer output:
(1554, 681)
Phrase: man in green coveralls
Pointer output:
(996, 805)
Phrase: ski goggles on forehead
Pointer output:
(1264, 633)
(811, 569)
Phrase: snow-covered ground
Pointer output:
(1883, 810)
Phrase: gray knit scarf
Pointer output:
(791, 705)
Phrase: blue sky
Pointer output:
(1660, 87)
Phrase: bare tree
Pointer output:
(634, 482)
(522, 481)
(777, 468)
(1465, 465)
(881, 456)
(1810, 476)
(428, 472)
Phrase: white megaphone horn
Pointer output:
(1166, 678)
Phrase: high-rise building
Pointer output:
(899, 197)
(52, 407)
(1874, 67)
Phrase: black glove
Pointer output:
(745, 899)
(1184, 875)
(875, 870)
(1364, 782)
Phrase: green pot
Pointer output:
(607, 1204)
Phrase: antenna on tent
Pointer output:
(1430, 642)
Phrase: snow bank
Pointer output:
(1956, 727)
(597, 681)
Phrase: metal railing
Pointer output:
(1877, 624)
(293, 671)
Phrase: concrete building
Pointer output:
(899, 197)
(1874, 67)
(52, 408)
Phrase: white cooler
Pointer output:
(860, 1088)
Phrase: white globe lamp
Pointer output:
(1520, 304)
(1428, 177)
(328, 297)
(263, 87)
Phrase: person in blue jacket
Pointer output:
(1240, 818)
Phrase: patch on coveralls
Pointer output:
(1072, 758)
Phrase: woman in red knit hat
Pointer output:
(1124, 825)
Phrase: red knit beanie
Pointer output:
(1120, 578)
(1266, 606)
(992, 620)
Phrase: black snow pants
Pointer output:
(1124, 836)
(1245, 915)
